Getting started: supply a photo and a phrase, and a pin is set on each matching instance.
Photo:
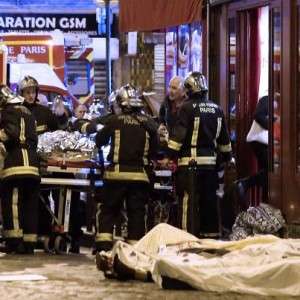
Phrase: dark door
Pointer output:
(236, 91)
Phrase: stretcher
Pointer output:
(67, 177)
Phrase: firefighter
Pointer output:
(198, 135)
(20, 175)
(46, 120)
(133, 140)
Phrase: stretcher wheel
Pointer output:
(60, 245)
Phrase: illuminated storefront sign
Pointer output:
(84, 23)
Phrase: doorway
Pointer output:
(248, 79)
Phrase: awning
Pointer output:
(146, 15)
(46, 77)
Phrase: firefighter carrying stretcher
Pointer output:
(47, 120)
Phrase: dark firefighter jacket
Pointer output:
(18, 134)
(133, 141)
(199, 134)
(45, 119)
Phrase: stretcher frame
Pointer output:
(67, 185)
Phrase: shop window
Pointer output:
(184, 50)
(196, 48)
(171, 54)
(78, 77)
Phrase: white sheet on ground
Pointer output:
(21, 277)
(264, 265)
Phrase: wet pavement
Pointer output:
(76, 277)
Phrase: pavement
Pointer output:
(74, 276)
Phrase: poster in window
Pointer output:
(183, 50)
(196, 47)
(171, 54)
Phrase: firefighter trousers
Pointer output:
(135, 194)
(20, 208)
(197, 199)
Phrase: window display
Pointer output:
(171, 53)
(184, 50)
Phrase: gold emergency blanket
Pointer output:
(262, 265)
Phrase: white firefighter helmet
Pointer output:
(127, 96)
(8, 97)
(195, 82)
(28, 81)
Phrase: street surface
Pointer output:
(74, 276)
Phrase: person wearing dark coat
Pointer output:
(200, 141)
(20, 175)
(133, 141)
(169, 110)
(46, 120)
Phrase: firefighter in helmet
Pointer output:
(198, 135)
(20, 175)
(45, 118)
(133, 141)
